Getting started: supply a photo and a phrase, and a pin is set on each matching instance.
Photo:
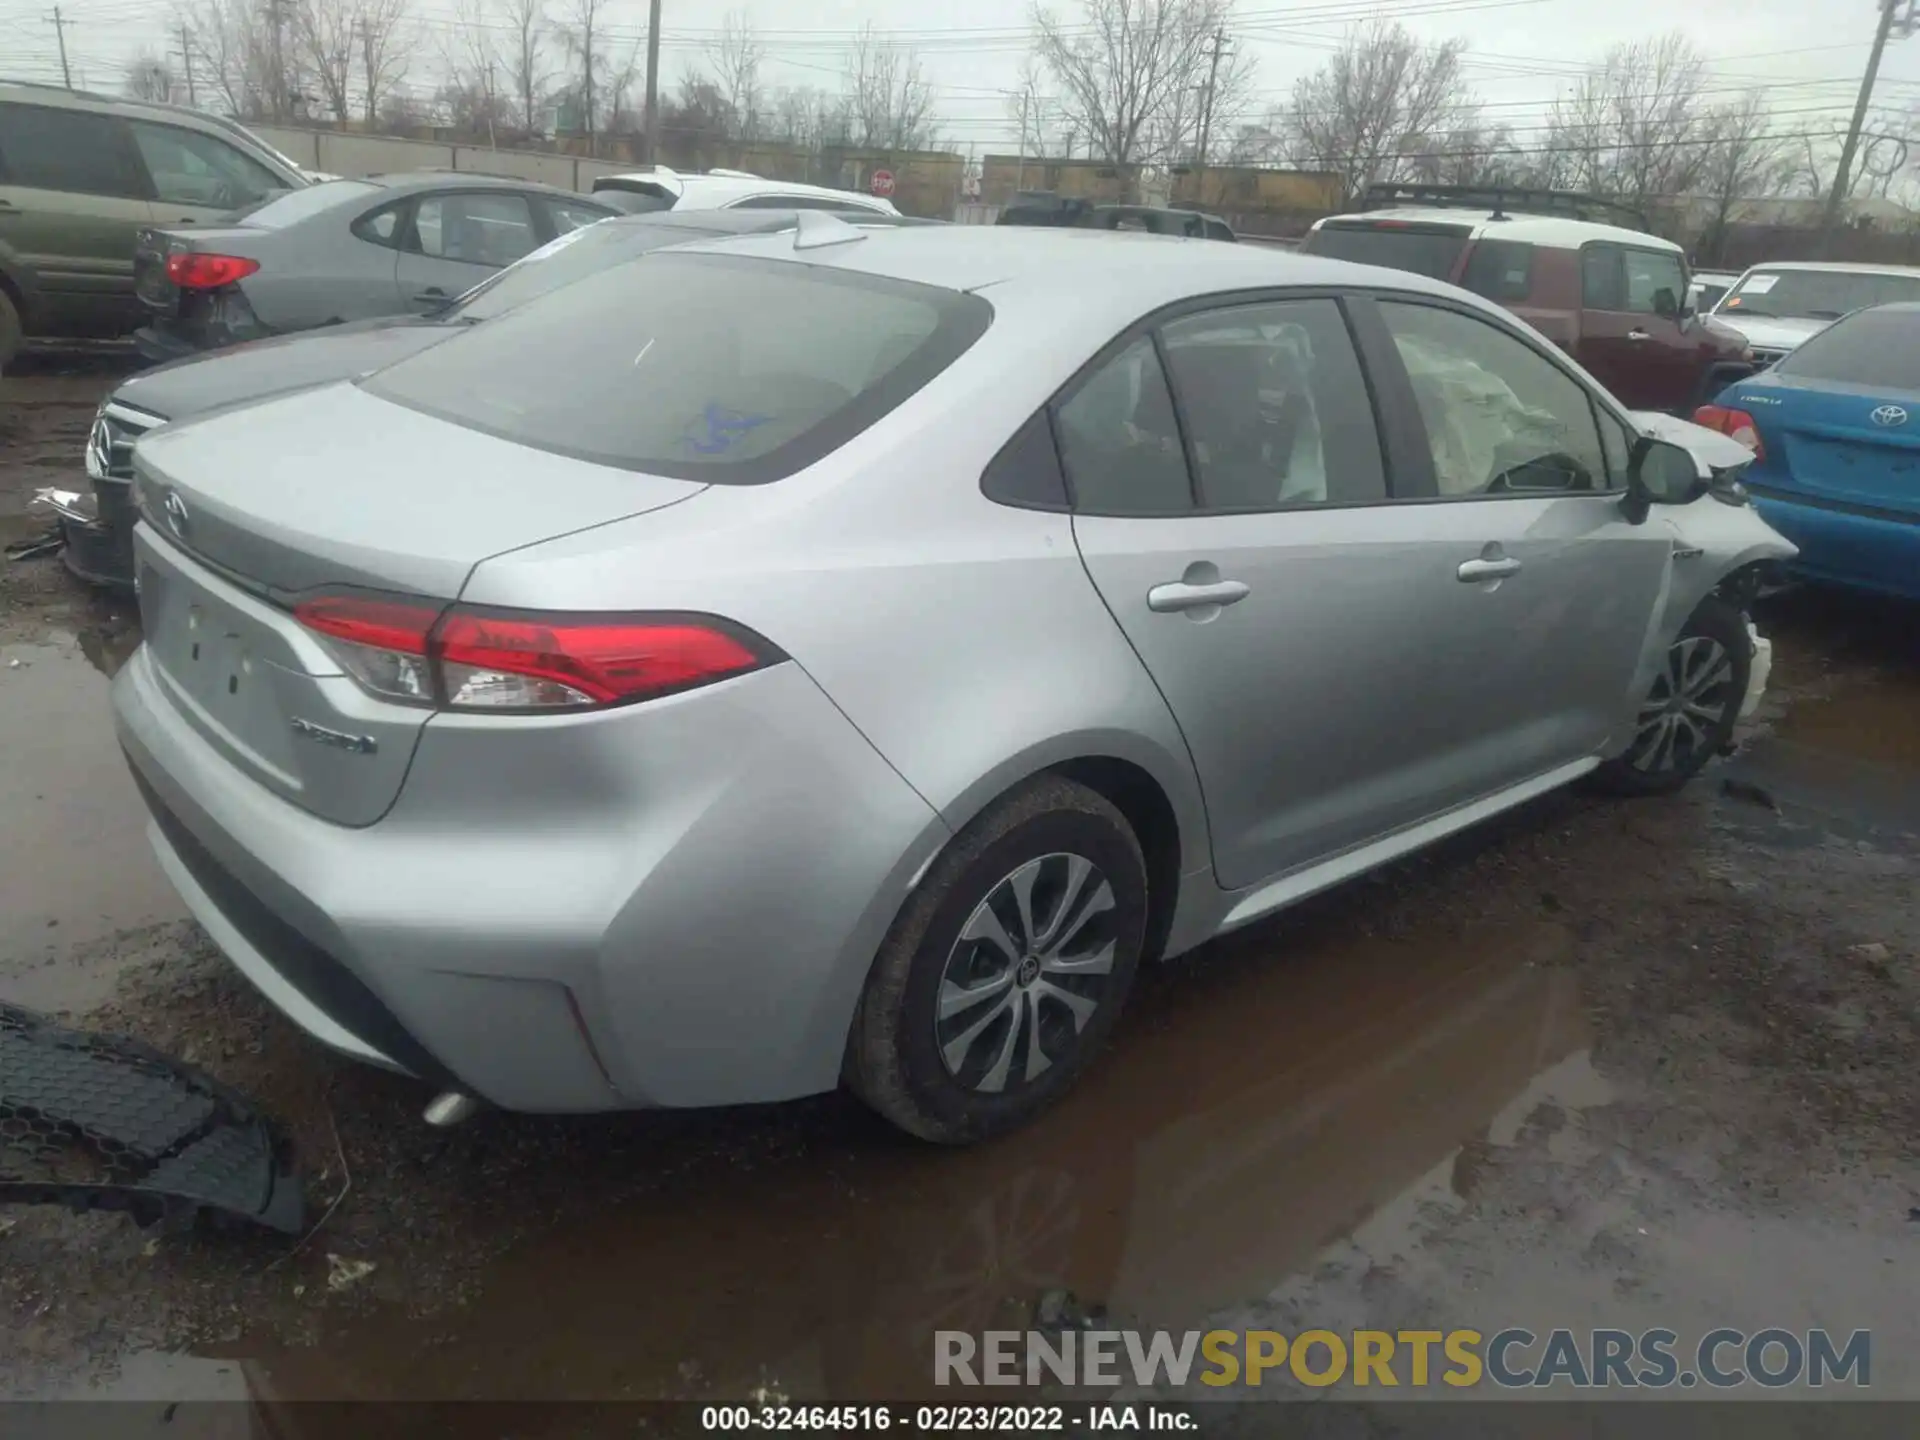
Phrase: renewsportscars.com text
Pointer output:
(1512, 1358)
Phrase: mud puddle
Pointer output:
(75, 867)
(1263, 1107)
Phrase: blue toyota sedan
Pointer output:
(1835, 431)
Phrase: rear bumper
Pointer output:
(707, 951)
(162, 340)
(1856, 546)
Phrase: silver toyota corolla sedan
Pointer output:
(847, 655)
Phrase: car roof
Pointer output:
(1838, 266)
(407, 182)
(1119, 271)
(1551, 230)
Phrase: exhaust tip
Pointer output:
(449, 1108)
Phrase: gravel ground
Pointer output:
(1596, 1063)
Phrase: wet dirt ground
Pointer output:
(1597, 1063)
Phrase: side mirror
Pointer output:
(1661, 473)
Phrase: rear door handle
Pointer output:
(1638, 335)
(1166, 599)
(1477, 570)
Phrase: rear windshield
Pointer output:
(705, 367)
(1816, 294)
(1877, 349)
(297, 205)
(573, 256)
(1424, 249)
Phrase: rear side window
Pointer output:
(1500, 270)
(1424, 249)
(43, 148)
(1120, 441)
(297, 205)
(718, 368)
(1876, 349)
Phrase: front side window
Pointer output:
(1120, 442)
(73, 151)
(1656, 282)
(189, 168)
(1275, 406)
(716, 368)
(1500, 417)
(481, 228)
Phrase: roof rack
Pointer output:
(1498, 199)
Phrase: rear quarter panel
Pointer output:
(319, 273)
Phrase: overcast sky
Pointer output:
(1808, 54)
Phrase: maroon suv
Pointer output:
(1613, 298)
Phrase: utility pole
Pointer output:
(186, 60)
(1219, 43)
(280, 87)
(1843, 176)
(492, 143)
(1020, 173)
(60, 29)
(651, 146)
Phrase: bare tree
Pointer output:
(581, 34)
(384, 47)
(234, 48)
(1126, 66)
(150, 78)
(737, 57)
(324, 32)
(1637, 125)
(523, 52)
(891, 101)
(1467, 152)
(1747, 160)
(1364, 115)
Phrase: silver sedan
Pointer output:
(846, 656)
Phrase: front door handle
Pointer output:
(1474, 571)
(1638, 335)
(1166, 599)
(432, 295)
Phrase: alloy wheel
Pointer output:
(1688, 703)
(1030, 969)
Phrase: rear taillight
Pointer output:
(193, 271)
(1734, 424)
(468, 658)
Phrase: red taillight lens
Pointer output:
(208, 272)
(1735, 424)
(476, 659)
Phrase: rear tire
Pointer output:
(1040, 907)
(12, 330)
(1688, 716)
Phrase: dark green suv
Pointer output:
(80, 174)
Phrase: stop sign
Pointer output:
(882, 183)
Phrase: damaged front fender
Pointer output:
(95, 1122)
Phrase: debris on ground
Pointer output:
(47, 542)
(343, 1274)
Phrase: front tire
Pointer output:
(1004, 973)
(1688, 716)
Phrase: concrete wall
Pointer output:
(342, 153)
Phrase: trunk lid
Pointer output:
(245, 509)
(1823, 442)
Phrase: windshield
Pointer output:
(703, 367)
(1875, 349)
(1816, 294)
(290, 207)
(1424, 249)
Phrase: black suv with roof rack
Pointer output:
(1044, 207)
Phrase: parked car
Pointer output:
(1044, 207)
(1777, 306)
(1613, 298)
(80, 174)
(342, 250)
(1706, 288)
(833, 655)
(97, 524)
(1835, 431)
(664, 189)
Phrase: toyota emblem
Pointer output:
(176, 509)
(1887, 416)
(100, 449)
